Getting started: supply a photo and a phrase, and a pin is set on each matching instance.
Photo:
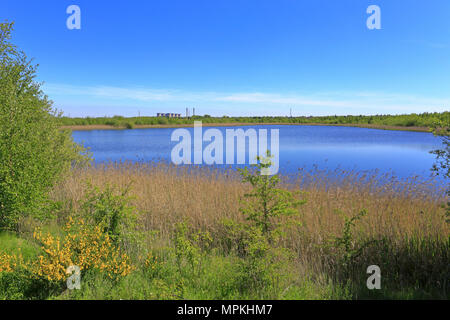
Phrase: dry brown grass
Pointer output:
(204, 197)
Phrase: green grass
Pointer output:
(10, 243)
(218, 280)
(219, 276)
(428, 120)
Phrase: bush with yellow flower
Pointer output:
(85, 246)
(82, 245)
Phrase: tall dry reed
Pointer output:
(166, 194)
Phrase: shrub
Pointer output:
(188, 251)
(34, 153)
(263, 207)
(85, 246)
(129, 125)
(257, 270)
(20, 284)
(162, 120)
(152, 266)
(8, 262)
(111, 209)
(347, 246)
(80, 244)
(266, 203)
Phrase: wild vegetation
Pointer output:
(419, 122)
(200, 233)
(157, 231)
(34, 153)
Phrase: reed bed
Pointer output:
(166, 194)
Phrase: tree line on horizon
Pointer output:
(430, 120)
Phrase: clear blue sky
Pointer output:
(246, 57)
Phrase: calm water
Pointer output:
(400, 152)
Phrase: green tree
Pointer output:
(264, 207)
(34, 153)
(266, 203)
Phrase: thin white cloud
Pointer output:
(109, 92)
(358, 102)
(283, 99)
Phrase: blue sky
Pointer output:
(246, 57)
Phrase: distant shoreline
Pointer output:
(236, 124)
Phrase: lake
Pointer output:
(402, 153)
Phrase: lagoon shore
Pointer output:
(236, 124)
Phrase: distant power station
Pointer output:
(175, 115)
(169, 115)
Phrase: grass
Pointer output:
(404, 226)
(10, 244)
(89, 127)
(410, 122)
